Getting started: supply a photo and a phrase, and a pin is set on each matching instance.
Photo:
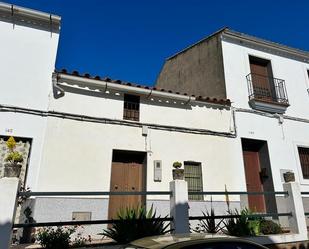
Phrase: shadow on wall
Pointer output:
(180, 225)
(211, 106)
(89, 91)
(5, 232)
(57, 90)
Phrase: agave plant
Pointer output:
(243, 224)
(209, 224)
(135, 223)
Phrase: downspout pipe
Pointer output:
(57, 90)
(75, 80)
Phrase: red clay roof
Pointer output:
(106, 79)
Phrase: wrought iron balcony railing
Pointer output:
(267, 89)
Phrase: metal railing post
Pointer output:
(179, 206)
(294, 203)
(8, 201)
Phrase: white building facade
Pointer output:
(97, 134)
(267, 84)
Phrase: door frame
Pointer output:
(260, 199)
(261, 146)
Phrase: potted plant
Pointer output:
(178, 173)
(13, 160)
(289, 176)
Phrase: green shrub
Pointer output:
(14, 157)
(242, 225)
(270, 227)
(55, 238)
(135, 223)
(209, 224)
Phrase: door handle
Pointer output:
(116, 186)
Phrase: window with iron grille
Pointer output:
(193, 176)
(131, 107)
(304, 161)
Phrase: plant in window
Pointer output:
(178, 173)
(13, 160)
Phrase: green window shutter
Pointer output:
(193, 176)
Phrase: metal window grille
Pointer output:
(267, 88)
(193, 176)
(304, 161)
(131, 107)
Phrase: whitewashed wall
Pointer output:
(294, 72)
(78, 155)
(27, 62)
(153, 110)
(282, 139)
(33, 127)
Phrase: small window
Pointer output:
(131, 107)
(304, 161)
(193, 175)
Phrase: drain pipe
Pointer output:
(57, 90)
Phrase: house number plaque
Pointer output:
(8, 130)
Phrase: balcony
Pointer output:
(267, 93)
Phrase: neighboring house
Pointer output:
(268, 85)
(96, 134)
(28, 48)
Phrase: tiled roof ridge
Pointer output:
(125, 83)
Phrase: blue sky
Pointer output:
(130, 39)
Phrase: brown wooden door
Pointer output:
(261, 80)
(125, 177)
(254, 184)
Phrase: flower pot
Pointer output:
(178, 174)
(289, 177)
(12, 170)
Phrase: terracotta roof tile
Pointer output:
(107, 79)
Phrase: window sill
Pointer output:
(267, 106)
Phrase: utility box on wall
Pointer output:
(157, 175)
(81, 216)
